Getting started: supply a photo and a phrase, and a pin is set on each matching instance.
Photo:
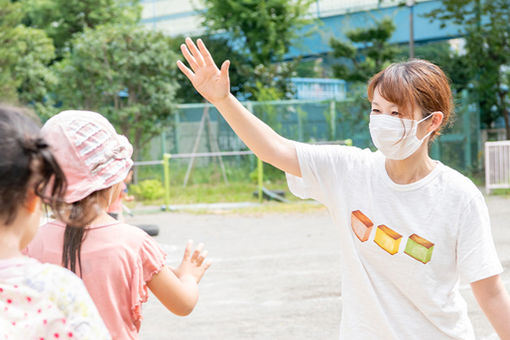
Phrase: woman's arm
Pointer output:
(178, 289)
(495, 303)
(214, 85)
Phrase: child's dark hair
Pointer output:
(26, 163)
(80, 214)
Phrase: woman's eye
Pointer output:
(376, 111)
(395, 113)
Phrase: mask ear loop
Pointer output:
(430, 132)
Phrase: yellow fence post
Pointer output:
(260, 177)
(166, 170)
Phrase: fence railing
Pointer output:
(497, 165)
(166, 169)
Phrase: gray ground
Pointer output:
(274, 276)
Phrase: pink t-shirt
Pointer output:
(117, 262)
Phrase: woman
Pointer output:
(411, 227)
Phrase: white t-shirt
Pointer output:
(403, 247)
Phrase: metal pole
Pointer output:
(260, 177)
(410, 3)
(166, 168)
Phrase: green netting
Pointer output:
(306, 121)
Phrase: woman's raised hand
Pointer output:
(212, 83)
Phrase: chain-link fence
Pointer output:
(199, 128)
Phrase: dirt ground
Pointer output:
(274, 276)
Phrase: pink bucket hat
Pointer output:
(89, 151)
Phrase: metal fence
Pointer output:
(497, 165)
(199, 128)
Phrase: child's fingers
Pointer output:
(207, 264)
(205, 53)
(184, 69)
(197, 252)
(187, 250)
(201, 258)
(189, 58)
(196, 53)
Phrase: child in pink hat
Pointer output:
(116, 261)
(37, 301)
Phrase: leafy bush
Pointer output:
(150, 189)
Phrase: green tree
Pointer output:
(486, 28)
(24, 54)
(61, 19)
(263, 30)
(126, 73)
(366, 53)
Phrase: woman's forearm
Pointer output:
(258, 136)
(495, 303)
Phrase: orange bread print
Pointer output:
(361, 225)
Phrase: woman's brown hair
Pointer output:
(415, 84)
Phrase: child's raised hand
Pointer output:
(212, 83)
(193, 263)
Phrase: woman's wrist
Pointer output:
(223, 101)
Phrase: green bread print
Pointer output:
(419, 248)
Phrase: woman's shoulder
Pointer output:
(335, 154)
(456, 182)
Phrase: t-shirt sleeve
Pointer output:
(476, 252)
(324, 169)
(73, 299)
(151, 260)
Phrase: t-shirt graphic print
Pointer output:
(388, 239)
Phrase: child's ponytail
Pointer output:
(81, 213)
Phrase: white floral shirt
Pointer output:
(43, 301)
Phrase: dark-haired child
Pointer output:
(37, 301)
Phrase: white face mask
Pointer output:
(387, 133)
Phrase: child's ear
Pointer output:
(32, 201)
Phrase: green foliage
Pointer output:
(61, 19)
(263, 30)
(150, 189)
(366, 53)
(110, 61)
(24, 54)
(486, 25)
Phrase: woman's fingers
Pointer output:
(184, 69)
(224, 68)
(205, 53)
(189, 58)
(195, 52)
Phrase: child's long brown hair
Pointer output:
(79, 214)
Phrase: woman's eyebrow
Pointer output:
(375, 103)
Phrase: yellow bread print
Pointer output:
(388, 239)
